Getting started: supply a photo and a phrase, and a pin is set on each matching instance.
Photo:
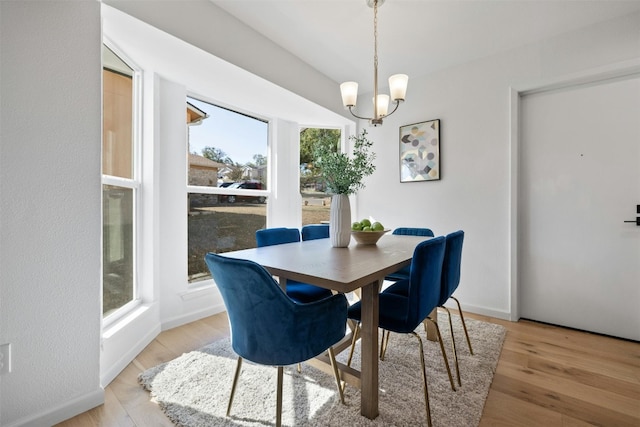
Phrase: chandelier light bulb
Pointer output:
(383, 105)
(349, 91)
(398, 86)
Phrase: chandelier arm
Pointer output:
(355, 115)
(395, 108)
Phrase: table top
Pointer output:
(341, 269)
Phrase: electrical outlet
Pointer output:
(5, 359)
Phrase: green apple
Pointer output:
(356, 226)
(365, 223)
(367, 228)
(376, 226)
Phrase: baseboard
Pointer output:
(63, 412)
(114, 369)
(124, 340)
(504, 315)
(144, 328)
(176, 321)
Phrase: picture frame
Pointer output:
(420, 151)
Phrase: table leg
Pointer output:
(369, 351)
(432, 335)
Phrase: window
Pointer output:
(315, 201)
(119, 189)
(227, 182)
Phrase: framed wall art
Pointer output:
(420, 151)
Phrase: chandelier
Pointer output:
(397, 82)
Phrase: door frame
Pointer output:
(625, 69)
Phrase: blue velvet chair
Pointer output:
(404, 272)
(404, 313)
(315, 231)
(268, 328)
(297, 291)
(450, 281)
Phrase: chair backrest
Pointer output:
(451, 265)
(424, 282)
(412, 231)
(277, 236)
(267, 327)
(255, 304)
(315, 231)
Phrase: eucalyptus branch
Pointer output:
(344, 174)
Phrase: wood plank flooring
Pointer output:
(546, 376)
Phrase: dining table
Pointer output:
(359, 268)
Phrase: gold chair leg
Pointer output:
(444, 353)
(334, 365)
(464, 325)
(279, 397)
(235, 382)
(354, 339)
(352, 324)
(384, 343)
(424, 379)
(453, 344)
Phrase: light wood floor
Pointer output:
(546, 376)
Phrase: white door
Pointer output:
(579, 263)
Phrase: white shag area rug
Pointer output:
(193, 389)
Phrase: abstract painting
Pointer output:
(420, 151)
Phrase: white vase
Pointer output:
(340, 221)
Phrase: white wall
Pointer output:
(50, 209)
(473, 103)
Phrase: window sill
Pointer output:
(198, 289)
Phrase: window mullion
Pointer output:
(120, 182)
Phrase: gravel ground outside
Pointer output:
(230, 227)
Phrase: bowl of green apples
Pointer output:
(366, 232)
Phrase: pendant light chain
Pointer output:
(375, 59)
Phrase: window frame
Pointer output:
(198, 283)
(134, 184)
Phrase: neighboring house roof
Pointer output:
(195, 115)
(203, 162)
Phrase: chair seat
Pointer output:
(401, 274)
(304, 293)
(401, 287)
(392, 313)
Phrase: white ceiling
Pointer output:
(415, 37)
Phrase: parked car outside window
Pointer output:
(250, 185)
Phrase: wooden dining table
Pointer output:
(356, 267)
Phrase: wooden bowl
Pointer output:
(368, 237)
